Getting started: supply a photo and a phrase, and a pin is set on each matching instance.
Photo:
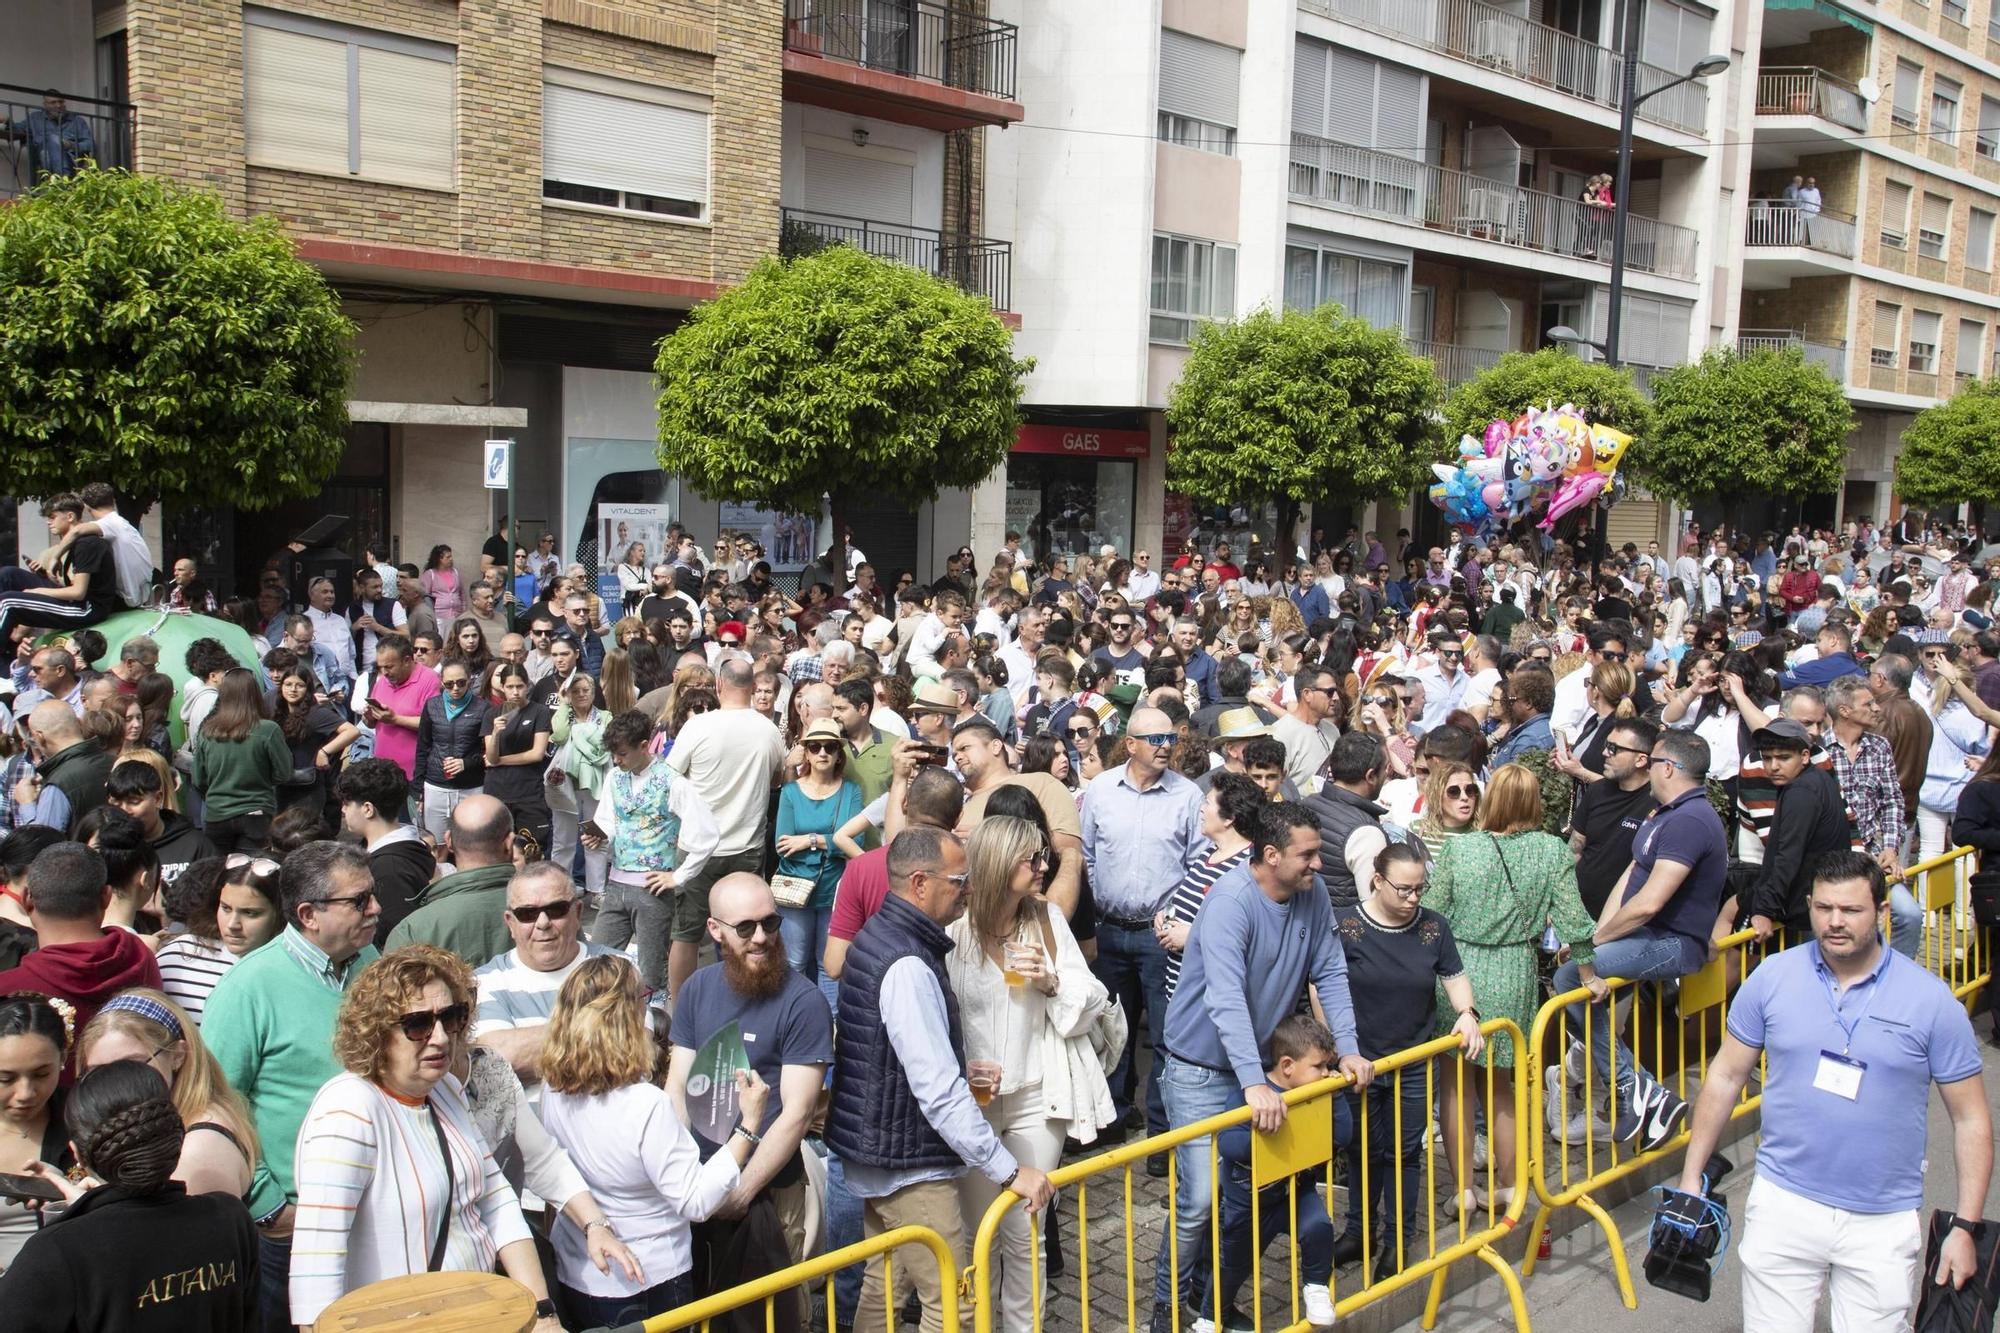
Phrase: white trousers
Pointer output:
(1035, 1141)
(1933, 832)
(1793, 1246)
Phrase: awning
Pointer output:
(1826, 7)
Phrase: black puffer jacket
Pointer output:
(463, 737)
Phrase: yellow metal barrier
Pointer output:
(1954, 948)
(770, 1288)
(1281, 1157)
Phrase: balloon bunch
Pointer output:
(1548, 461)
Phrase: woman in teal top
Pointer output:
(810, 808)
(577, 775)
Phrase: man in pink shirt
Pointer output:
(931, 797)
(396, 703)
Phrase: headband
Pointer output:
(146, 1007)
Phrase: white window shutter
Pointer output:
(1198, 78)
(406, 119)
(617, 143)
(874, 189)
(295, 100)
(1309, 86)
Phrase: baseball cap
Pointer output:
(1783, 734)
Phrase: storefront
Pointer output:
(1071, 489)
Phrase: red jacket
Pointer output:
(1798, 588)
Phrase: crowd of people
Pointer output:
(394, 934)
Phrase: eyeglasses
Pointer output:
(418, 1027)
(1156, 739)
(421, 650)
(1613, 748)
(748, 927)
(822, 747)
(357, 899)
(1670, 763)
(533, 912)
(259, 865)
(1460, 792)
(1403, 890)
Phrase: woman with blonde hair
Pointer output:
(1609, 694)
(1026, 998)
(1451, 805)
(627, 629)
(632, 1146)
(1500, 888)
(391, 1173)
(614, 677)
(219, 1153)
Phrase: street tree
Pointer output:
(156, 343)
(1547, 378)
(1951, 452)
(1300, 406)
(1731, 425)
(837, 374)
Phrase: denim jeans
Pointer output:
(1133, 967)
(1274, 1219)
(1647, 954)
(1389, 1205)
(587, 1311)
(1906, 917)
(804, 930)
(274, 1284)
(843, 1227)
(1192, 1093)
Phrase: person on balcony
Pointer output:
(1809, 206)
(58, 139)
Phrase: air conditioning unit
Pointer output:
(1496, 42)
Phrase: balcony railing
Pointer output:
(1783, 222)
(1830, 356)
(1363, 180)
(914, 38)
(1455, 364)
(1800, 90)
(1497, 40)
(33, 145)
(981, 266)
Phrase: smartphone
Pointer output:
(934, 754)
(589, 829)
(28, 1187)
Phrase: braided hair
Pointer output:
(122, 1120)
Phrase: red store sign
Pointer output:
(1083, 441)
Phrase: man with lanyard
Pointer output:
(1853, 1036)
(1655, 926)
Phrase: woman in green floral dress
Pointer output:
(1500, 887)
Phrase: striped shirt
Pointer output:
(371, 1183)
(1187, 900)
(189, 969)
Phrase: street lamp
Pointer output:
(1563, 333)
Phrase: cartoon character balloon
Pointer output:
(1547, 462)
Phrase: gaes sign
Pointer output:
(1083, 442)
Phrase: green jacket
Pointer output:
(464, 912)
(241, 777)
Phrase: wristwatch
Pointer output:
(1969, 1225)
(545, 1308)
(1012, 1176)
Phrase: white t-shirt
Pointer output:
(1479, 689)
(731, 755)
(130, 555)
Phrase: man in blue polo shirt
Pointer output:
(1655, 925)
(1854, 1035)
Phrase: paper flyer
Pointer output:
(711, 1085)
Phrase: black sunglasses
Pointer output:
(744, 929)
(1458, 793)
(357, 899)
(1614, 748)
(822, 747)
(419, 1026)
(534, 912)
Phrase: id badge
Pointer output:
(1839, 1075)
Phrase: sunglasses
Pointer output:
(822, 747)
(1081, 733)
(457, 683)
(1460, 791)
(748, 927)
(1159, 740)
(1540, 657)
(1613, 748)
(357, 899)
(533, 912)
(418, 1027)
(1382, 700)
(259, 865)
(1609, 656)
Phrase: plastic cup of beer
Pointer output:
(1013, 955)
(984, 1078)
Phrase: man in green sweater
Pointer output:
(269, 1022)
(466, 911)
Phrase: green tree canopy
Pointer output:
(1548, 378)
(1729, 424)
(837, 373)
(1951, 452)
(155, 343)
(1298, 406)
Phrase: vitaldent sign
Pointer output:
(1083, 442)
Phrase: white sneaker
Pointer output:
(1202, 1325)
(1319, 1305)
(1480, 1152)
(1576, 1060)
(1582, 1127)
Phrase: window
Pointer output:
(1192, 280)
(1971, 343)
(1932, 225)
(1895, 215)
(1909, 79)
(1198, 83)
(1979, 240)
(1888, 319)
(1953, 10)
(1944, 108)
(1986, 135)
(628, 146)
(1924, 341)
(1373, 289)
(347, 101)
(1341, 95)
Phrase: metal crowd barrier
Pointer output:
(1305, 1143)
(1954, 948)
(769, 1289)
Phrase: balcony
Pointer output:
(978, 265)
(911, 61)
(1455, 364)
(1502, 42)
(30, 148)
(1774, 222)
(1800, 90)
(1830, 357)
(1376, 184)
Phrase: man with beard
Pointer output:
(787, 1032)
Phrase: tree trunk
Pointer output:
(837, 543)
(1288, 517)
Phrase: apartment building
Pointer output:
(518, 198)
(1894, 110)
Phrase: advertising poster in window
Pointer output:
(620, 527)
(787, 539)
